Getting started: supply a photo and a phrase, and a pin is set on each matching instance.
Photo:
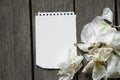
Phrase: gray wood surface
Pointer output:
(86, 11)
(16, 40)
(117, 15)
(15, 45)
(48, 6)
(117, 12)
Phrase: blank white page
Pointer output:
(55, 34)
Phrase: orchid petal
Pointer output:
(84, 47)
(99, 72)
(88, 57)
(88, 66)
(70, 67)
(113, 68)
(104, 53)
(107, 14)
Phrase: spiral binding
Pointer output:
(54, 13)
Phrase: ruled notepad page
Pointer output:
(55, 34)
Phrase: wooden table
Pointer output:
(17, 23)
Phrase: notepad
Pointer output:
(55, 34)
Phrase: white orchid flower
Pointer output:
(70, 67)
(100, 41)
(98, 30)
(113, 68)
(99, 70)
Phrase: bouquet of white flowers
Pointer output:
(101, 44)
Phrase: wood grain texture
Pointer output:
(117, 12)
(86, 11)
(48, 6)
(117, 15)
(15, 34)
(15, 43)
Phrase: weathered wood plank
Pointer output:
(86, 11)
(117, 15)
(48, 6)
(15, 43)
(117, 10)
